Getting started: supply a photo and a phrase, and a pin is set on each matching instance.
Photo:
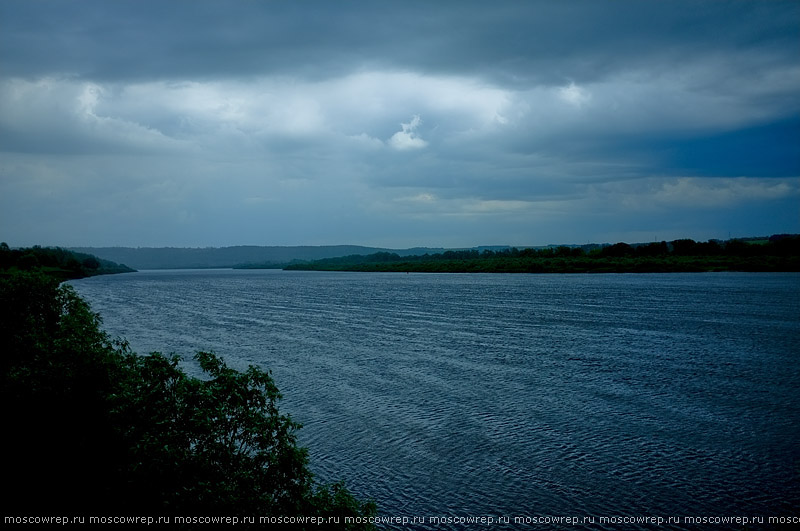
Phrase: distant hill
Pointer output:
(243, 255)
(254, 256)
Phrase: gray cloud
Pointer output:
(419, 123)
(528, 42)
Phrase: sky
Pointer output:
(397, 123)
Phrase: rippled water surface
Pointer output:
(508, 394)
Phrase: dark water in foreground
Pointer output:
(604, 395)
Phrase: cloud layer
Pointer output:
(396, 124)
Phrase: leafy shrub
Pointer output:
(93, 427)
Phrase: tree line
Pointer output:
(777, 253)
(55, 261)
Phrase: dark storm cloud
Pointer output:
(510, 42)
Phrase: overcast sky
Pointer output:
(397, 123)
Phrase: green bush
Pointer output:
(93, 428)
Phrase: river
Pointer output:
(505, 395)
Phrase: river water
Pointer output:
(505, 395)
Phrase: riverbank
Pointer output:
(779, 255)
(55, 262)
(569, 265)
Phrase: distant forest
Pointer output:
(262, 257)
(56, 262)
(777, 253)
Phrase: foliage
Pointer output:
(96, 429)
(55, 261)
(781, 253)
(57, 370)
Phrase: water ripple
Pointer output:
(508, 394)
